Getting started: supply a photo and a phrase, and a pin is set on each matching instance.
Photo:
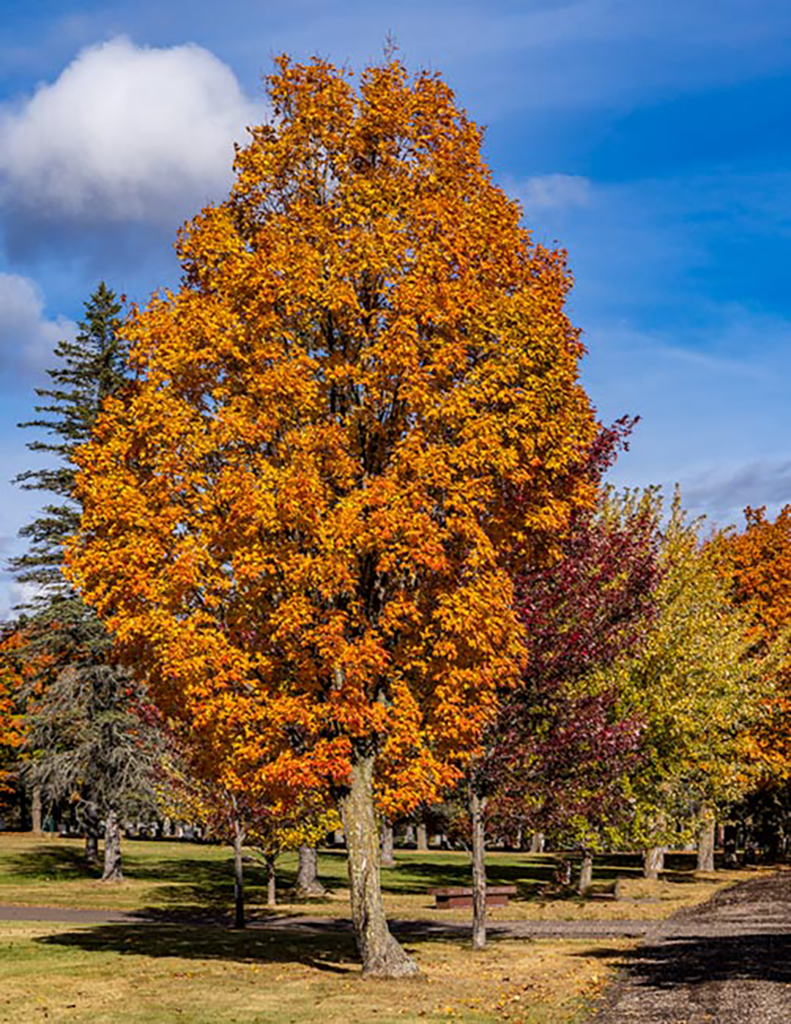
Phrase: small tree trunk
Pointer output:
(706, 840)
(586, 872)
(387, 850)
(653, 862)
(91, 825)
(382, 956)
(112, 849)
(308, 883)
(238, 875)
(271, 881)
(537, 842)
(409, 835)
(35, 810)
(477, 807)
(422, 838)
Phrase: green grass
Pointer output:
(160, 970)
(160, 973)
(191, 880)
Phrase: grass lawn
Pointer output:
(158, 970)
(183, 878)
(164, 973)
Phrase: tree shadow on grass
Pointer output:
(66, 863)
(329, 951)
(327, 947)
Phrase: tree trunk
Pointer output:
(537, 842)
(653, 862)
(422, 838)
(271, 881)
(91, 826)
(387, 855)
(586, 872)
(308, 883)
(112, 849)
(706, 840)
(238, 876)
(35, 809)
(477, 807)
(381, 954)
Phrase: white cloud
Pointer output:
(127, 133)
(553, 191)
(27, 336)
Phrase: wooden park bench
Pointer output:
(461, 896)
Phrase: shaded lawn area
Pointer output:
(159, 970)
(192, 880)
(163, 973)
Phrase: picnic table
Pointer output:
(461, 895)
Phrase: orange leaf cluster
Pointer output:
(758, 564)
(361, 406)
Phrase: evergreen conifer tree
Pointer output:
(91, 734)
(91, 367)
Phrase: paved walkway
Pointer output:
(726, 962)
(315, 924)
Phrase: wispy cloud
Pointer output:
(725, 491)
(551, 192)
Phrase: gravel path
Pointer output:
(728, 962)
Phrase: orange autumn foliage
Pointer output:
(758, 564)
(360, 407)
(11, 728)
(17, 672)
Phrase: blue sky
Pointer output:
(650, 139)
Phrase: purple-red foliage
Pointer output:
(557, 754)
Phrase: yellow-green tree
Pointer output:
(696, 690)
(359, 408)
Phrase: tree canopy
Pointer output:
(359, 409)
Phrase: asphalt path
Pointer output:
(313, 925)
(727, 961)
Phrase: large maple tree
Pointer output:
(359, 409)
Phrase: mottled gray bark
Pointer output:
(271, 882)
(382, 956)
(477, 808)
(35, 809)
(706, 840)
(387, 849)
(90, 817)
(112, 848)
(653, 862)
(586, 872)
(308, 883)
(421, 838)
(537, 842)
(238, 876)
